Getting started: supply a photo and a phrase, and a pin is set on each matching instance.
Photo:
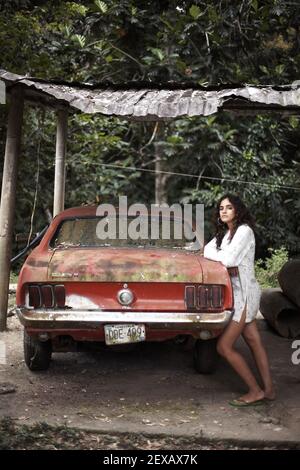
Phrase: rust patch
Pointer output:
(119, 265)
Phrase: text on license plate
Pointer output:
(129, 333)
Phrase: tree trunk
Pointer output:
(60, 163)
(161, 179)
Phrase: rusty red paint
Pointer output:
(124, 264)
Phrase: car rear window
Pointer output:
(120, 232)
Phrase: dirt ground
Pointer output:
(149, 396)
(44, 437)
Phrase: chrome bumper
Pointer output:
(86, 319)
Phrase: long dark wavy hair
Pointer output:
(243, 216)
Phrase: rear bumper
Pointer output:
(45, 319)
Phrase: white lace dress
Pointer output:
(239, 252)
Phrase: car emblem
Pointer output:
(125, 296)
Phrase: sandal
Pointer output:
(242, 403)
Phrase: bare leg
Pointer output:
(253, 339)
(225, 347)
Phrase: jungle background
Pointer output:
(203, 42)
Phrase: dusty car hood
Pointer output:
(126, 264)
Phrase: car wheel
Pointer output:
(206, 356)
(37, 354)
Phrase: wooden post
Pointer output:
(8, 196)
(160, 178)
(60, 166)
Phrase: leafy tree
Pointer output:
(192, 41)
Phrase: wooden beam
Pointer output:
(60, 165)
(8, 195)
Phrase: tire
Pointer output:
(37, 354)
(206, 357)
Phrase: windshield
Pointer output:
(119, 231)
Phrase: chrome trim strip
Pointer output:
(59, 318)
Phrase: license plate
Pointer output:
(120, 334)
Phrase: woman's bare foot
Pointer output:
(270, 395)
(252, 396)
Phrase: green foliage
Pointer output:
(101, 5)
(251, 161)
(201, 41)
(195, 12)
(13, 278)
(97, 143)
(266, 271)
(204, 42)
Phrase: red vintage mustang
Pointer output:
(76, 288)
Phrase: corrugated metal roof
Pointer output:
(140, 100)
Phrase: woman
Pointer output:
(234, 246)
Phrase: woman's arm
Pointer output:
(233, 253)
(210, 250)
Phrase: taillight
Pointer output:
(217, 296)
(35, 299)
(60, 295)
(190, 299)
(204, 297)
(47, 295)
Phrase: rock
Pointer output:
(269, 420)
(6, 387)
